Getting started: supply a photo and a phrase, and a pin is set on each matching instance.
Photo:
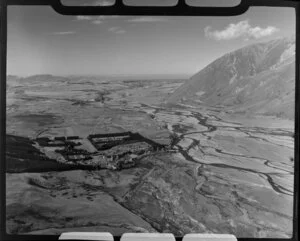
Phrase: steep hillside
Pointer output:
(258, 78)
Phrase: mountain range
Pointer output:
(258, 78)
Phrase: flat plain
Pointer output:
(229, 172)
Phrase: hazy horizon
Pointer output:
(174, 77)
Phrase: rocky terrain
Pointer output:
(232, 171)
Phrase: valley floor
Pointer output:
(231, 174)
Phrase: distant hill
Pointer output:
(258, 78)
(43, 78)
(13, 80)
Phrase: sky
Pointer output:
(41, 41)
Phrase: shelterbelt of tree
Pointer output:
(23, 156)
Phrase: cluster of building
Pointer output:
(114, 151)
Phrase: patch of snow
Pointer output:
(232, 79)
(285, 56)
(238, 90)
(188, 106)
(200, 93)
(234, 71)
(262, 83)
(170, 127)
(253, 69)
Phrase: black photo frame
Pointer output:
(119, 8)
